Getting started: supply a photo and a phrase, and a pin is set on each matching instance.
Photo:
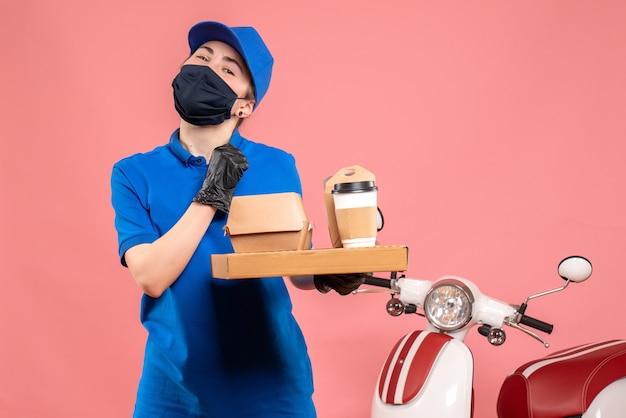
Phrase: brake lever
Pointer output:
(388, 291)
(515, 325)
(391, 288)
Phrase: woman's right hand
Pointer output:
(226, 167)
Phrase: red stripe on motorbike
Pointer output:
(422, 364)
(397, 367)
(419, 366)
(385, 371)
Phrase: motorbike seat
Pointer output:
(564, 383)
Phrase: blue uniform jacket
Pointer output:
(215, 348)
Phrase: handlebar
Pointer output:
(537, 324)
(376, 281)
(513, 321)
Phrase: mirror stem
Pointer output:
(545, 293)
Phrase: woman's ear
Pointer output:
(245, 109)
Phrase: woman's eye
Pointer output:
(229, 71)
(202, 58)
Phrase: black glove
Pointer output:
(226, 167)
(341, 283)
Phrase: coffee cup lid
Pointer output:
(355, 187)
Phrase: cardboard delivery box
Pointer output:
(380, 258)
(268, 222)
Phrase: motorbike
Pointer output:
(429, 372)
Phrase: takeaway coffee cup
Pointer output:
(356, 211)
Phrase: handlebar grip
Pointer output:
(375, 281)
(537, 324)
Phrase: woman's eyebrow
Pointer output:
(226, 58)
(234, 61)
(210, 51)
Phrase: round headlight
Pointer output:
(448, 305)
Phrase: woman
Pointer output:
(215, 348)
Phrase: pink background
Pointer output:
(495, 129)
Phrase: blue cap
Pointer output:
(246, 41)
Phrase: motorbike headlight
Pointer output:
(449, 304)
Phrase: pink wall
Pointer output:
(496, 130)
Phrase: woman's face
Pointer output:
(226, 62)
